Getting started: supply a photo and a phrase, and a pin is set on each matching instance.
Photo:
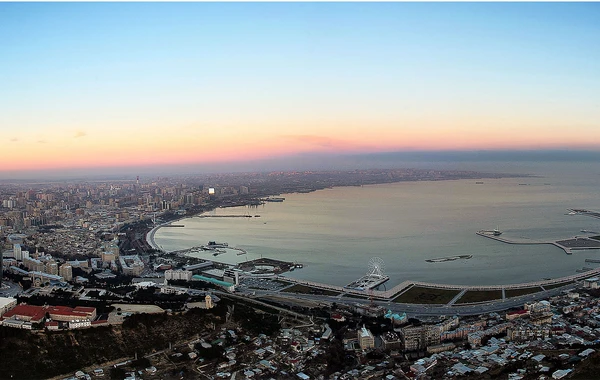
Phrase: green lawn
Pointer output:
(554, 286)
(428, 296)
(521, 292)
(480, 296)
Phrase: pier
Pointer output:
(449, 258)
(593, 214)
(567, 245)
(224, 216)
(373, 278)
(367, 282)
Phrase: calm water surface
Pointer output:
(334, 232)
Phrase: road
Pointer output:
(10, 289)
(415, 310)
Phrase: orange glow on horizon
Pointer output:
(227, 143)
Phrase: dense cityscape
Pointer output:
(299, 190)
(79, 266)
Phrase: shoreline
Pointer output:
(152, 239)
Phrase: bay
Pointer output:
(334, 232)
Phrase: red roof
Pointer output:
(34, 313)
(79, 311)
(59, 309)
(37, 313)
(64, 312)
(85, 309)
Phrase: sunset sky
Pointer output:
(124, 84)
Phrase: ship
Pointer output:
(496, 232)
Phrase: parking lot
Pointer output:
(263, 284)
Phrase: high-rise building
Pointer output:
(419, 337)
(66, 272)
(34, 264)
(366, 339)
(51, 267)
(17, 252)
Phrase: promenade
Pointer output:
(388, 295)
(150, 236)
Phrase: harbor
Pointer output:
(217, 248)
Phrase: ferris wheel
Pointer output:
(376, 266)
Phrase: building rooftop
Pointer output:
(365, 333)
(5, 301)
(214, 281)
(32, 312)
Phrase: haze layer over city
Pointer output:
(300, 190)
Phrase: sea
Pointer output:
(335, 233)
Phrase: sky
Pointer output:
(85, 86)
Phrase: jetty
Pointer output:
(567, 245)
(273, 199)
(223, 216)
(579, 211)
(449, 258)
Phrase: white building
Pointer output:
(591, 283)
(7, 303)
(232, 275)
(185, 275)
(17, 252)
(78, 324)
(172, 290)
(18, 324)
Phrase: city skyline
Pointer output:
(116, 85)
